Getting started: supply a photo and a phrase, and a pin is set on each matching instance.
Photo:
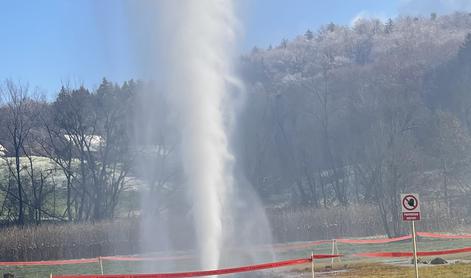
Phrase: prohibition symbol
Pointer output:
(410, 202)
(411, 212)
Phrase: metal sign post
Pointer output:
(411, 212)
(414, 243)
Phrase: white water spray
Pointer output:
(185, 48)
(199, 67)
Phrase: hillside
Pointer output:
(357, 114)
(341, 117)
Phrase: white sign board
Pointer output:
(410, 204)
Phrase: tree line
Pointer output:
(338, 117)
(65, 160)
(356, 115)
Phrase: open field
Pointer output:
(348, 266)
(405, 246)
(370, 270)
(457, 270)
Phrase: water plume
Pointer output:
(187, 48)
(199, 66)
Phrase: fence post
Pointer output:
(333, 251)
(100, 261)
(312, 264)
(337, 251)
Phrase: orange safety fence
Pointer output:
(409, 254)
(263, 266)
(443, 236)
(141, 259)
(60, 262)
(370, 241)
(278, 247)
(209, 272)
(401, 238)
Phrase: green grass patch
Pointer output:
(377, 270)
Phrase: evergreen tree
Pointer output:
(331, 27)
(389, 26)
(284, 43)
(309, 35)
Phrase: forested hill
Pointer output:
(341, 117)
(350, 114)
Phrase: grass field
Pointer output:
(349, 249)
(360, 269)
(348, 266)
(370, 270)
(458, 270)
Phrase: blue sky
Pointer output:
(50, 42)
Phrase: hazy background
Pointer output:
(344, 107)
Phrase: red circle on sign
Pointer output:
(405, 202)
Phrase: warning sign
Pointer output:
(410, 207)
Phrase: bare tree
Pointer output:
(18, 115)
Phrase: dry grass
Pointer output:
(67, 241)
(378, 270)
(382, 270)
(308, 223)
(356, 220)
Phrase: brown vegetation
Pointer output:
(67, 241)
(354, 221)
